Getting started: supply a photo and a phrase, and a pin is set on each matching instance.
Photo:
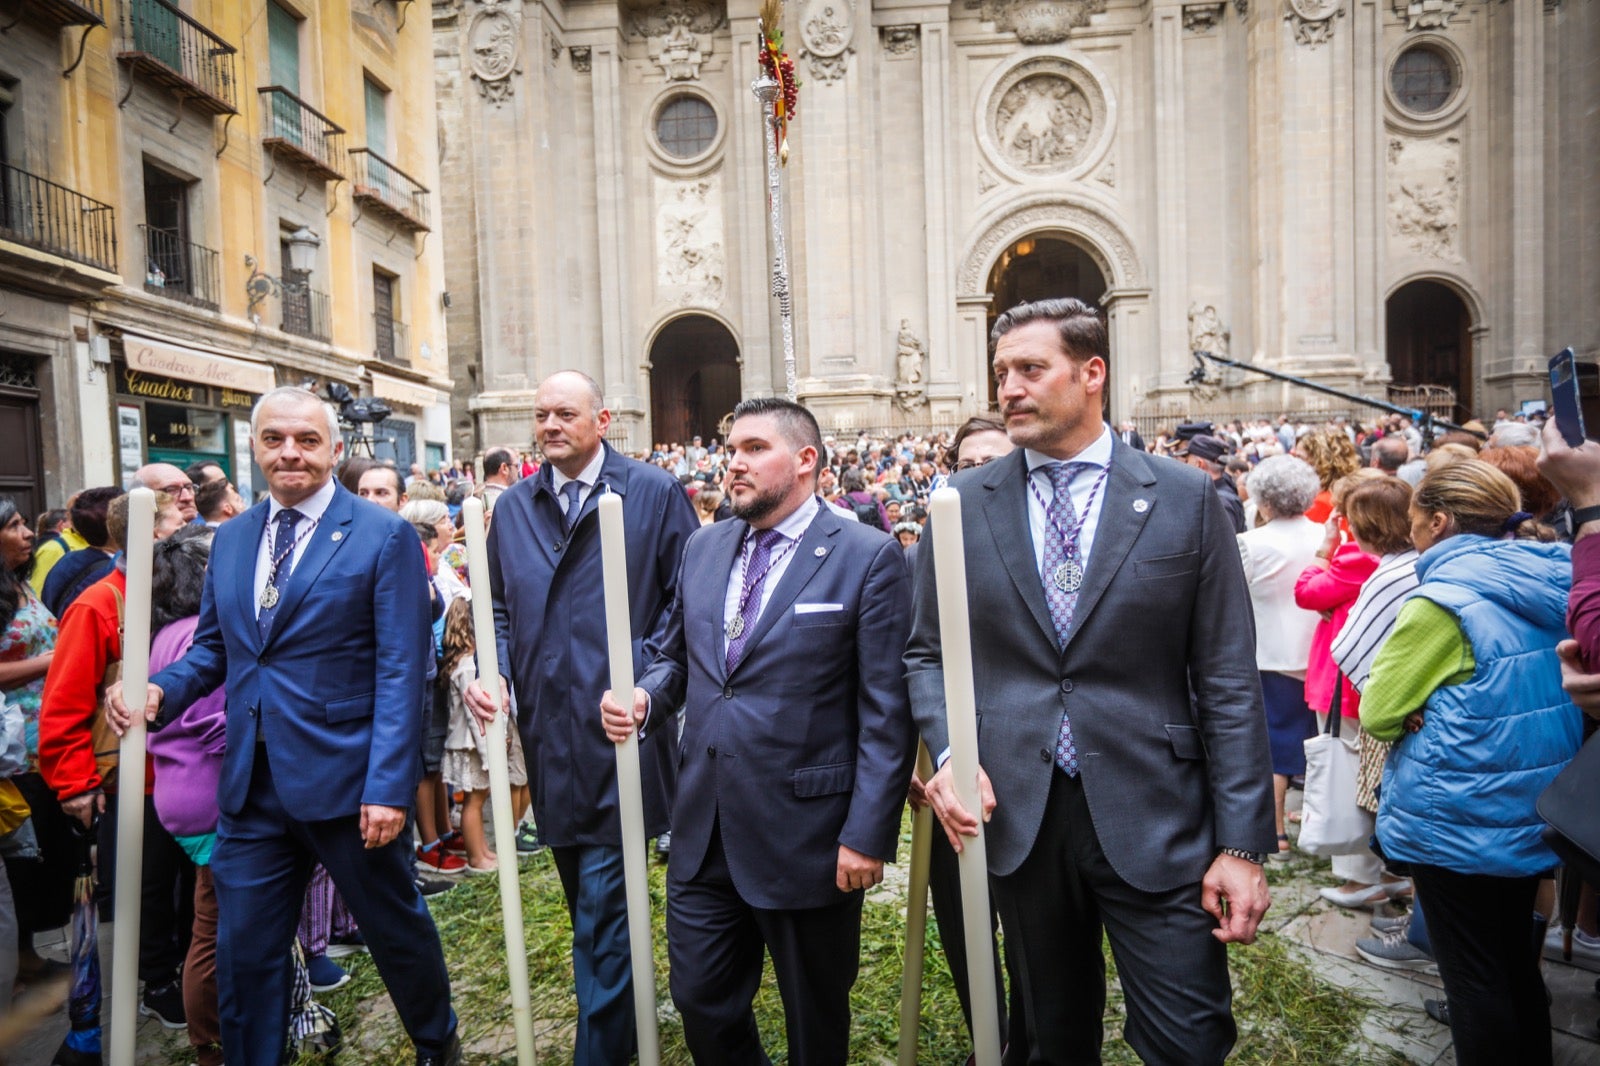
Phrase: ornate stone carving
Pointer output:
(900, 42)
(690, 262)
(1424, 192)
(1040, 21)
(825, 37)
(658, 20)
(1206, 332)
(679, 34)
(1110, 249)
(1426, 14)
(910, 390)
(555, 47)
(492, 50)
(581, 58)
(1313, 20)
(986, 181)
(1045, 116)
(1242, 7)
(1107, 176)
(1202, 18)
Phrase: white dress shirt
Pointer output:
(311, 510)
(588, 476)
(1083, 482)
(791, 528)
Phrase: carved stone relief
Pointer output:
(1312, 20)
(1424, 193)
(1242, 7)
(1040, 21)
(1206, 332)
(825, 36)
(680, 35)
(1202, 18)
(492, 51)
(900, 42)
(1426, 14)
(1045, 117)
(690, 261)
(910, 388)
(986, 181)
(1118, 263)
(581, 58)
(1107, 176)
(555, 47)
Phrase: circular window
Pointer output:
(686, 126)
(1423, 80)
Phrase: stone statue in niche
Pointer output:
(1425, 195)
(1043, 123)
(1206, 333)
(909, 387)
(680, 51)
(689, 239)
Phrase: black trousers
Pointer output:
(944, 884)
(166, 892)
(1174, 972)
(1479, 926)
(714, 943)
(43, 886)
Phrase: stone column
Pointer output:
(968, 389)
(619, 363)
(950, 392)
(1367, 140)
(747, 208)
(1135, 361)
(1527, 199)
(1171, 273)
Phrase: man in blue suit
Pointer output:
(797, 745)
(544, 563)
(323, 735)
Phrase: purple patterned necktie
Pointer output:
(754, 578)
(1063, 602)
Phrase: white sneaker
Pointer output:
(1585, 948)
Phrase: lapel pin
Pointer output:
(337, 537)
(821, 552)
(1141, 506)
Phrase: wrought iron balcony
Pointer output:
(298, 134)
(180, 269)
(307, 313)
(60, 13)
(53, 218)
(179, 54)
(389, 340)
(384, 189)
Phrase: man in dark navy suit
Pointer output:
(544, 565)
(797, 745)
(323, 735)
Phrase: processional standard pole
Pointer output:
(778, 92)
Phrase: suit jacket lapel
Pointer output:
(803, 566)
(244, 578)
(720, 560)
(1007, 513)
(329, 536)
(1121, 520)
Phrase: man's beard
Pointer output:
(762, 505)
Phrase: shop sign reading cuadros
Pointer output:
(162, 358)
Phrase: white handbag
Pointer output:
(1331, 823)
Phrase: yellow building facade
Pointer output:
(201, 200)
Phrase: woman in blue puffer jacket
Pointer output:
(1470, 684)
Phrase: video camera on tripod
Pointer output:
(357, 413)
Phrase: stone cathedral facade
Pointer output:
(1368, 193)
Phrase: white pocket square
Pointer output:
(817, 608)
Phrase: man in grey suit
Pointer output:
(783, 648)
(1125, 777)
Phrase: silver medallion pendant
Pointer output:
(736, 627)
(1068, 576)
(269, 597)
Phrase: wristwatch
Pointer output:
(1585, 514)
(1248, 856)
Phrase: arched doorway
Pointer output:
(1428, 339)
(694, 379)
(1041, 268)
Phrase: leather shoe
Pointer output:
(450, 1056)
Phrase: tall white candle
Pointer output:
(141, 544)
(630, 792)
(499, 778)
(955, 642)
(916, 922)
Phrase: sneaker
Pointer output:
(431, 884)
(325, 974)
(1381, 925)
(454, 842)
(435, 859)
(1362, 898)
(341, 947)
(1438, 1010)
(528, 842)
(1585, 948)
(1393, 951)
(164, 1003)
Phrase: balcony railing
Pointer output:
(180, 269)
(68, 12)
(179, 54)
(307, 313)
(389, 340)
(294, 131)
(55, 219)
(384, 189)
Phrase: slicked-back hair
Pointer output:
(797, 425)
(178, 574)
(1080, 328)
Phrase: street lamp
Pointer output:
(300, 257)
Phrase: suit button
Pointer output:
(1066, 685)
(261, 660)
(712, 751)
(556, 546)
(1044, 753)
(727, 692)
(252, 712)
